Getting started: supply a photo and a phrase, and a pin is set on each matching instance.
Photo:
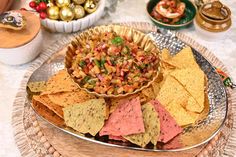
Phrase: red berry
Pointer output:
(37, 8)
(43, 15)
(32, 4)
(43, 6)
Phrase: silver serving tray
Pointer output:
(193, 136)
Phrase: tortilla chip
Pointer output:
(193, 80)
(148, 92)
(181, 116)
(114, 102)
(47, 113)
(152, 127)
(169, 127)
(165, 55)
(173, 144)
(170, 90)
(183, 59)
(60, 82)
(117, 138)
(125, 120)
(86, 117)
(43, 99)
(69, 98)
(36, 87)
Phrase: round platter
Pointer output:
(216, 95)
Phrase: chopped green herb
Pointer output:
(103, 61)
(92, 81)
(85, 79)
(97, 63)
(142, 66)
(126, 50)
(117, 41)
(82, 64)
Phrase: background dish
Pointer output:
(75, 25)
(190, 12)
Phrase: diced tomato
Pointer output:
(86, 70)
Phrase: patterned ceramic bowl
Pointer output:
(75, 25)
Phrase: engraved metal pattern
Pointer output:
(192, 136)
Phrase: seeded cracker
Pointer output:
(37, 87)
(60, 82)
(152, 127)
(47, 113)
(126, 119)
(86, 117)
(169, 127)
(69, 98)
(43, 99)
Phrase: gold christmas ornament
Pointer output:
(79, 11)
(62, 3)
(78, 1)
(53, 12)
(66, 14)
(90, 6)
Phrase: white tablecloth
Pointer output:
(127, 10)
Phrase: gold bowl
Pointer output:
(214, 17)
(141, 39)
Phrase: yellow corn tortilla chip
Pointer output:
(170, 90)
(152, 127)
(181, 116)
(86, 117)
(69, 98)
(60, 82)
(193, 80)
(183, 59)
(165, 55)
(36, 87)
(48, 114)
(43, 99)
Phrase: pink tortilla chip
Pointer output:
(125, 120)
(173, 144)
(169, 127)
(117, 138)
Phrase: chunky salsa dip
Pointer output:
(107, 63)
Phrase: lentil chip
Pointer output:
(69, 98)
(44, 100)
(47, 113)
(86, 117)
(36, 87)
(152, 127)
(60, 82)
(126, 119)
(169, 127)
